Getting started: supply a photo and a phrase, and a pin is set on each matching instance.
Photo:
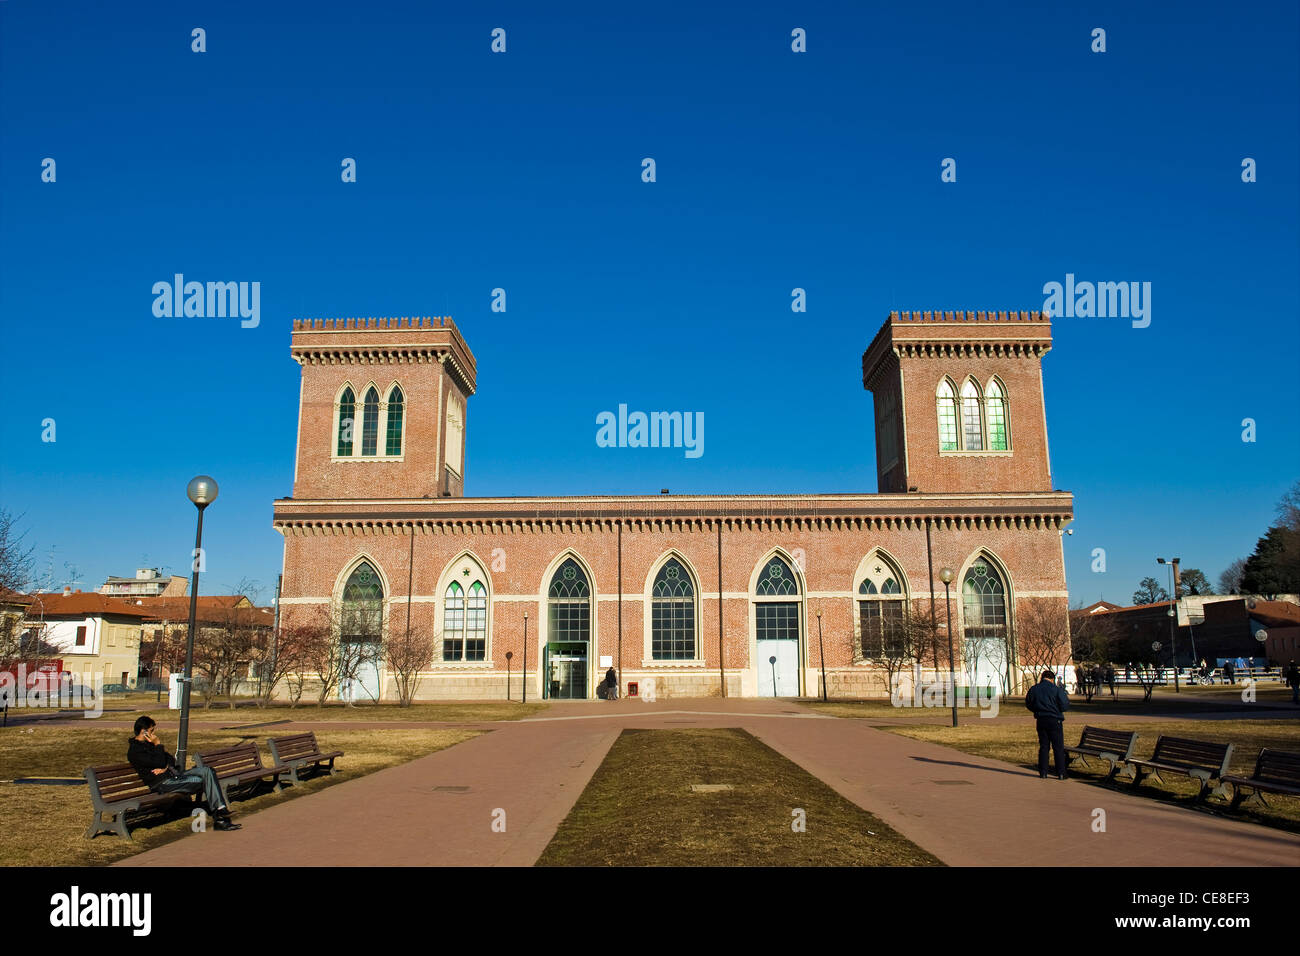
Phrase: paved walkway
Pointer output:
(966, 810)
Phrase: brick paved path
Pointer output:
(966, 810)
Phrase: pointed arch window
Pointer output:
(972, 420)
(672, 614)
(362, 606)
(347, 416)
(946, 398)
(882, 612)
(453, 623)
(995, 405)
(984, 602)
(393, 426)
(370, 423)
(464, 622)
(569, 604)
(476, 623)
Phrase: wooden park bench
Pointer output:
(299, 751)
(241, 766)
(116, 790)
(1113, 746)
(1276, 771)
(1199, 759)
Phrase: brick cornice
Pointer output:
(386, 340)
(962, 333)
(469, 516)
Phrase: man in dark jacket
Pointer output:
(157, 768)
(1049, 704)
(1293, 681)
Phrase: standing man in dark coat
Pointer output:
(1048, 702)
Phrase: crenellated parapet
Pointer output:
(385, 340)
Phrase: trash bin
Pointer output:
(174, 692)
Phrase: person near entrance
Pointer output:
(1049, 702)
(611, 685)
(157, 768)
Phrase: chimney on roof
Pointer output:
(66, 590)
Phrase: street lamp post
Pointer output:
(1173, 614)
(509, 655)
(202, 491)
(821, 651)
(525, 677)
(945, 575)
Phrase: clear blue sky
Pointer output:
(522, 171)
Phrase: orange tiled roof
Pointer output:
(81, 604)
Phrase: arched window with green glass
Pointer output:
(984, 602)
(995, 406)
(393, 428)
(946, 399)
(370, 423)
(453, 623)
(347, 416)
(362, 607)
(672, 613)
(476, 623)
(986, 650)
(569, 604)
(972, 419)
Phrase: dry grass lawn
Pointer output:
(639, 810)
(43, 825)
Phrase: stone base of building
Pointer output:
(861, 682)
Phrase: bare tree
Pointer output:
(275, 657)
(1230, 577)
(408, 650)
(1042, 636)
(899, 644)
(15, 558)
(323, 657)
(224, 644)
(307, 637)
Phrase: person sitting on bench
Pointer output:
(157, 768)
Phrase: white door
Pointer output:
(364, 687)
(779, 677)
(777, 630)
(984, 662)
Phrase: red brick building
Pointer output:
(689, 594)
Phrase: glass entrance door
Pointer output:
(565, 671)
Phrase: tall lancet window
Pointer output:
(972, 423)
(347, 417)
(947, 402)
(370, 423)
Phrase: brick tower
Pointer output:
(381, 408)
(959, 402)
